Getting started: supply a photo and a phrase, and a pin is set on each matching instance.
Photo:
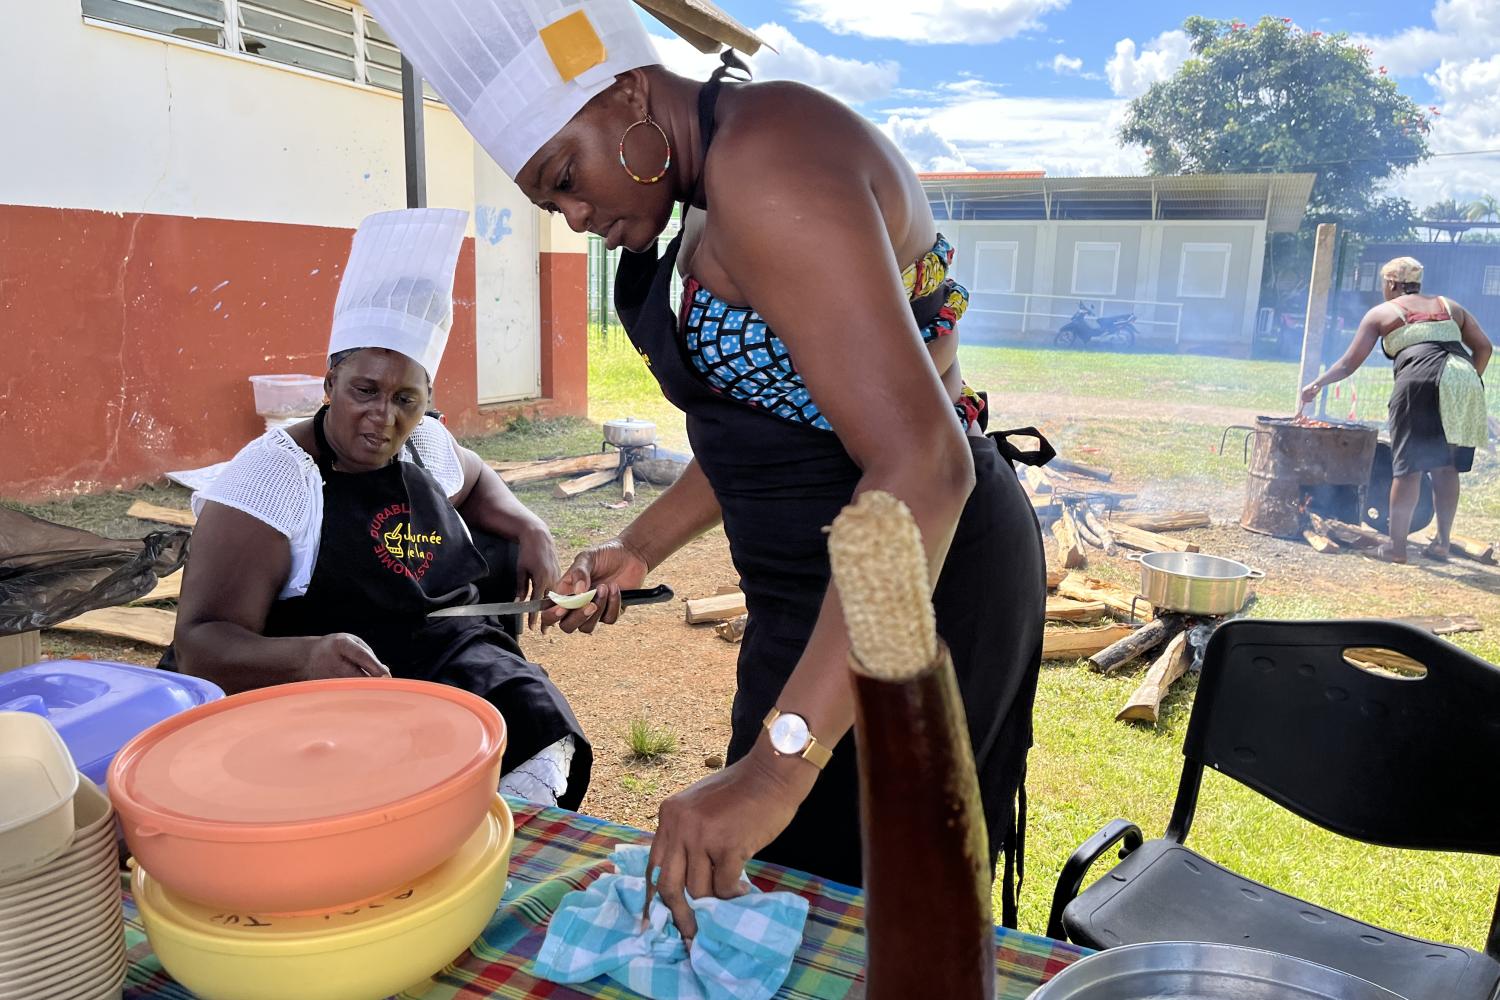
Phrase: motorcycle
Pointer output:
(1086, 328)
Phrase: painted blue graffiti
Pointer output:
(492, 224)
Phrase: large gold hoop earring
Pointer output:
(648, 120)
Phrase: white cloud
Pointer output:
(1065, 65)
(1469, 100)
(923, 146)
(850, 80)
(1461, 29)
(1131, 73)
(968, 22)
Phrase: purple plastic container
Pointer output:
(98, 706)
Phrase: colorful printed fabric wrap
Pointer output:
(743, 951)
(972, 408)
(737, 354)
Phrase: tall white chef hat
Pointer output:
(397, 290)
(515, 71)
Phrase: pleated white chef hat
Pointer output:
(515, 71)
(397, 289)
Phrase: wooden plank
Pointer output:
(1164, 520)
(535, 472)
(510, 466)
(1443, 624)
(583, 484)
(1321, 543)
(718, 608)
(1356, 535)
(1069, 544)
(1324, 249)
(627, 484)
(162, 515)
(1081, 643)
(152, 626)
(1063, 609)
(1149, 541)
(1143, 641)
(1037, 479)
(1117, 599)
(168, 588)
(1054, 577)
(1106, 539)
(1079, 469)
(1469, 548)
(1145, 703)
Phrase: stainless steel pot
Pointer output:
(1193, 970)
(629, 432)
(1194, 583)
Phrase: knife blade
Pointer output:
(628, 598)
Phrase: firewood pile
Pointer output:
(1329, 536)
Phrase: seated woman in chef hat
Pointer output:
(321, 549)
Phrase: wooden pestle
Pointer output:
(928, 924)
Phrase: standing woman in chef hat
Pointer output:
(321, 549)
(798, 356)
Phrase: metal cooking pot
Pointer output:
(1195, 970)
(1194, 583)
(629, 433)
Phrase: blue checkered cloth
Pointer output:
(743, 950)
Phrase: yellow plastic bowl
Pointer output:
(371, 951)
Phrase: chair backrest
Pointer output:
(1384, 759)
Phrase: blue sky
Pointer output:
(1041, 84)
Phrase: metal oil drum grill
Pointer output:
(1295, 466)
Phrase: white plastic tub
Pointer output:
(285, 396)
(37, 785)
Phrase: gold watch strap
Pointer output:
(815, 753)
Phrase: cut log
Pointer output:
(733, 630)
(1118, 600)
(168, 588)
(1385, 660)
(718, 608)
(583, 484)
(1443, 624)
(1469, 548)
(1080, 643)
(535, 472)
(510, 466)
(1082, 528)
(152, 626)
(1054, 577)
(1149, 541)
(1355, 535)
(1165, 520)
(1106, 539)
(1145, 703)
(1037, 479)
(627, 484)
(1079, 469)
(1321, 543)
(1069, 545)
(162, 515)
(1142, 641)
(1063, 609)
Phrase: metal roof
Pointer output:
(1279, 199)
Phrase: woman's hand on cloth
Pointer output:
(537, 568)
(707, 832)
(343, 655)
(606, 569)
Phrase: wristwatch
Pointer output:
(790, 738)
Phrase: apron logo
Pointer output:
(398, 548)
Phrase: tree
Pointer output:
(1274, 98)
(1483, 209)
(1446, 210)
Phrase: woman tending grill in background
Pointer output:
(1437, 412)
(798, 356)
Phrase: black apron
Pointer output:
(393, 548)
(778, 484)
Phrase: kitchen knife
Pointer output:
(628, 598)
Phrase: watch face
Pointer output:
(789, 733)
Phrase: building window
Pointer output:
(332, 39)
(995, 267)
(1491, 280)
(1204, 271)
(1367, 271)
(1096, 268)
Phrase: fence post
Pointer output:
(1317, 309)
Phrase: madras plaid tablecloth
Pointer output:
(556, 852)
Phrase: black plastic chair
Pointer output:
(1385, 759)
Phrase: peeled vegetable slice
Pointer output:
(570, 601)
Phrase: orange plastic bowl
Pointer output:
(308, 797)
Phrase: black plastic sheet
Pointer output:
(50, 573)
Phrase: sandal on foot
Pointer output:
(1387, 553)
(1436, 552)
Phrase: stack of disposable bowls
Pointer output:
(328, 840)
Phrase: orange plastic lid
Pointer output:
(314, 753)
